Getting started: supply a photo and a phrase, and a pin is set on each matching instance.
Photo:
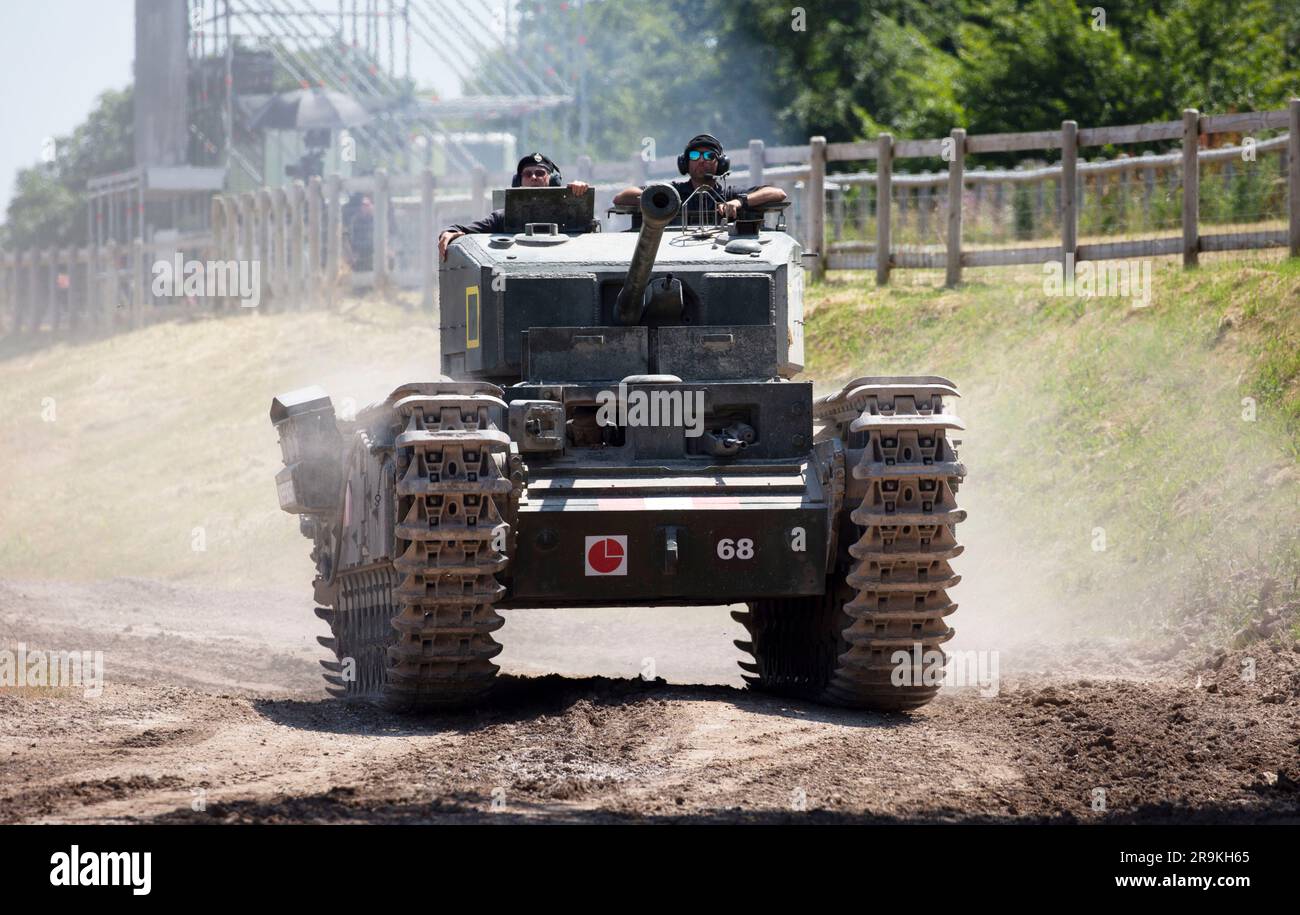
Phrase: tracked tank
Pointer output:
(622, 422)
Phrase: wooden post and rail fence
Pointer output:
(295, 234)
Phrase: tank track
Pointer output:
(450, 545)
(360, 632)
(890, 593)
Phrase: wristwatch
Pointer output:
(744, 201)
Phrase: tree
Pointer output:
(1029, 66)
(48, 206)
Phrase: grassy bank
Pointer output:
(1127, 465)
(151, 454)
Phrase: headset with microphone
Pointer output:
(707, 141)
(556, 180)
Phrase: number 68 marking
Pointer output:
(736, 549)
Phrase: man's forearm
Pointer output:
(628, 197)
(765, 195)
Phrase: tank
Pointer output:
(624, 422)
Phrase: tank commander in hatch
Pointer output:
(705, 162)
(533, 170)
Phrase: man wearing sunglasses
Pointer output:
(705, 162)
(533, 170)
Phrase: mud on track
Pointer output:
(215, 695)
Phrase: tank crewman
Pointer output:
(533, 170)
(704, 162)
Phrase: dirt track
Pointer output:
(214, 697)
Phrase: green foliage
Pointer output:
(664, 71)
(48, 207)
(847, 69)
(1042, 62)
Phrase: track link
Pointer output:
(890, 594)
(361, 631)
(451, 545)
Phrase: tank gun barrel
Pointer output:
(659, 205)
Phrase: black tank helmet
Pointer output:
(536, 158)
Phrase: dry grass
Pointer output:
(1090, 416)
(160, 432)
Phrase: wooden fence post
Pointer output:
(35, 314)
(280, 248)
(1040, 207)
(817, 203)
(380, 256)
(26, 301)
(923, 209)
(217, 220)
(333, 239)
(91, 292)
(57, 314)
(45, 281)
(1191, 186)
(66, 304)
(139, 285)
(1069, 187)
(48, 312)
(266, 211)
(1293, 177)
(755, 162)
(294, 266)
(884, 191)
(109, 302)
(16, 294)
(314, 243)
(6, 293)
(13, 285)
(956, 172)
(428, 241)
(231, 203)
(1148, 186)
(247, 249)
